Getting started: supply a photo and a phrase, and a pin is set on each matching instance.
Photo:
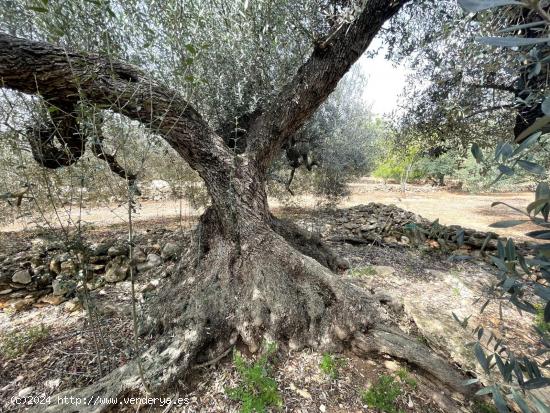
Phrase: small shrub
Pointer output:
(406, 378)
(14, 344)
(330, 365)
(367, 271)
(539, 319)
(383, 394)
(257, 390)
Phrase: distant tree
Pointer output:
(340, 142)
(462, 91)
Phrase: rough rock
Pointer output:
(68, 267)
(73, 305)
(117, 250)
(170, 250)
(153, 261)
(22, 277)
(100, 248)
(62, 286)
(55, 266)
(22, 304)
(140, 256)
(117, 270)
(52, 299)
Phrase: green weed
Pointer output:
(257, 391)
(383, 394)
(406, 378)
(14, 344)
(330, 365)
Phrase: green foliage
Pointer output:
(406, 161)
(330, 365)
(389, 169)
(394, 166)
(539, 319)
(406, 378)
(15, 344)
(383, 394)
(366, 271)
(480, 177)
(257, 391)
(436, 168)
(518, 375)
(484, 407)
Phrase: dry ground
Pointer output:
(468, 210)
(67, 356)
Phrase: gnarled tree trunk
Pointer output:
(248, 276)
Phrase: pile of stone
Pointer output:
(389, 224)
(396, 187)
(51, 272)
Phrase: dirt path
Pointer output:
(472, 211)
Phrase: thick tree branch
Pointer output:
(489, 109)
(65, 77)
(63, 128)
(315, 81)
(494, 86)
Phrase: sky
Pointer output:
(386, 82)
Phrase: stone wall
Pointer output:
(48, 271)
(390, 225)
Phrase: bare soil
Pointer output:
(67, 356)
(460, 208)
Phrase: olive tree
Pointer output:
(248, 276)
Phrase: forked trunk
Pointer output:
(250, 278)
(247, 277)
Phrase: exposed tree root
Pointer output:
(308, 244)
(268, 291)
(389, 340)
